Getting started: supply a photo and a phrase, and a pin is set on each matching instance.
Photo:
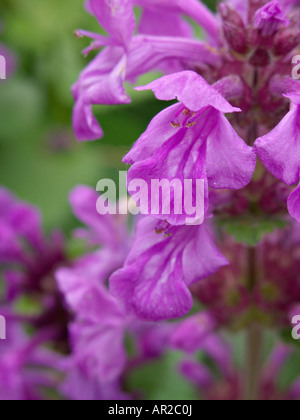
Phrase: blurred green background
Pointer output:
(40, 159)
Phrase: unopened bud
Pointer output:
(234, 29)
(285, 41)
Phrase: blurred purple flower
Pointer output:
(127, 56)
(163, 262)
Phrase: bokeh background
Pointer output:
(40, 160)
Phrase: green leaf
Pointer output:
(161, 380)
(251, 231)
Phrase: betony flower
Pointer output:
(97, 332)
(25, 366)
(279, 151)
(190, 140)
(78, 386)
(163, 262)
(126, 56)
(27, 258)
(106, 232)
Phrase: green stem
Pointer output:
(254, 339)
(254, 343)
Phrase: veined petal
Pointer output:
(190, 89)
(177, 160)
(102, 82)
(148, 52)
(154, 281)
(230, 162)
(279, 150)
(205, 147)
(86, 126)
(170, 24)
(158, 132)
(294, 204)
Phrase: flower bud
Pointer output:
(234, 29)
(285, 41)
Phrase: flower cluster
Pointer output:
(78, 340)
(232, 92)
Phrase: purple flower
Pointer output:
(97, 334)
(27, 258)
(99, 359)
(191, 333)
(279, 151)
(126, 56)
(24, 365)
(164, 261)
(190, 140)
(78, 386)
(106, 232)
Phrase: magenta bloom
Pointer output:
(97, 334)
(26, 256)
(80, 387)
(127, 56)
(164, 261)
(191, 140)
(107, 233)
(24, 365)
(279, 151)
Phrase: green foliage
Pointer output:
(160, 380)
(250, 230)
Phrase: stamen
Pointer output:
(162, 227)
(175, 123)
(188, 121)
(191, 124)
